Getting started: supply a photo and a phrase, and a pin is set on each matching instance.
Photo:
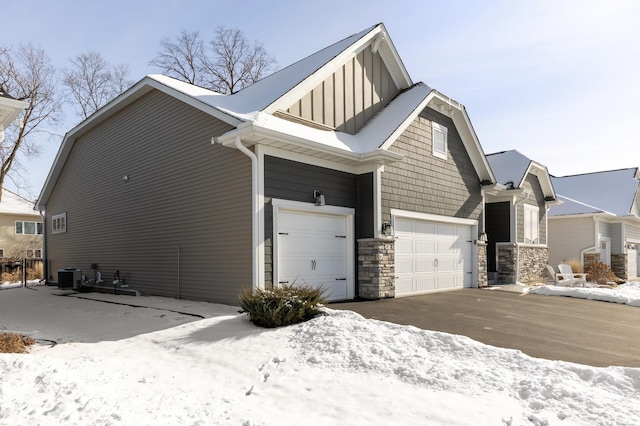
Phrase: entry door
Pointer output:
(312, 249)
(431, 256)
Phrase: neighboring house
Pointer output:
(10, 108)
(599, 220)
(20, 227)
(516, 218)
(337, 170)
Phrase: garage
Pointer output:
(432, 255)
(316, 248)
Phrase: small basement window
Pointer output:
(439, 138)
(59, 223)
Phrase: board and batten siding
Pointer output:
(532, 185)
(180, 226)
(426, 184)
(568, 237)
(347, 99)
(295, 181)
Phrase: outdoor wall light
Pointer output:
(319, 198)
(387, 229)
(125, 178)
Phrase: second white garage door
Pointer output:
(431, 256)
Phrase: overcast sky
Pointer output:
(557, 80)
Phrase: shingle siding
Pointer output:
(426, 184)
(186, 205)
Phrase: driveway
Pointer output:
(557, 328)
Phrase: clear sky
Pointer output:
(558, 80)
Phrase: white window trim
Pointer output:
(439, 128)
(531, 212)
(61, 220)
(35, 225)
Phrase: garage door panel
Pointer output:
(431, 256)
(312, 250)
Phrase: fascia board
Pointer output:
(542, 174)
(13, 107)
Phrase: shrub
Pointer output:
(576, 266)
(601, 273)
(11, 343)
(283, 305)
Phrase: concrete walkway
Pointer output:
(557, 328)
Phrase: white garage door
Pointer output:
(632, 259)
(431, 256)
(312, 249)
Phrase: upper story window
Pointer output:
(59, 223)
(531, 224)
(439, 138)
(28, 228)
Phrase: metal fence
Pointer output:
(21, 272)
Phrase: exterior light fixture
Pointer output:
(387, 229)
(125, 178)
(319, 198)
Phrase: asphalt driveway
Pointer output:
(557, 328)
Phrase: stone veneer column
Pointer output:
(376, 268)
(483, 278)
(619, 265)
(506, 263)
(590, 258)
(533, 261)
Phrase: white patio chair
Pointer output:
(558, 279)
(567, 273)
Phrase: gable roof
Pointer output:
(12, 203)
(250, 111)
(512, 167)
(611, 191)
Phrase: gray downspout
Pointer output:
(45, 258)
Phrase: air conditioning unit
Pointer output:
(69, 278)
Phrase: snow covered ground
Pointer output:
(626, 294)
(336, 369)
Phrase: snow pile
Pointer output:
(336, 369)
(626, 294)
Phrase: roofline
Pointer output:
(251, 129)
(387, 51)
(458, 113)
(135, 92)
(636, 174)
(546, 183)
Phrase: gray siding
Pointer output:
(617, 239)
(291, 180)
(426, 184)
(568, 237)
(186, 206)
(532, 184)
(350, 97)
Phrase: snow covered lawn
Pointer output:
(336, 369)
(626, 294)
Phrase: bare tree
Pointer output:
(28, 75)
(92, 82)
(226, 64)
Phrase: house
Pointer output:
(599, 220)
(516, 218)
(337, 170)
(20, 227)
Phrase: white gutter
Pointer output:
(254, 207)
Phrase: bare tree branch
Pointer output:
(92, 82)
(28, 75)
(226, 64)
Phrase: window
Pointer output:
(28, 228)
(439, 138)
(59, 223)
(34, 253)
(531, 224)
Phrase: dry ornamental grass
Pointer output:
(11, 343)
